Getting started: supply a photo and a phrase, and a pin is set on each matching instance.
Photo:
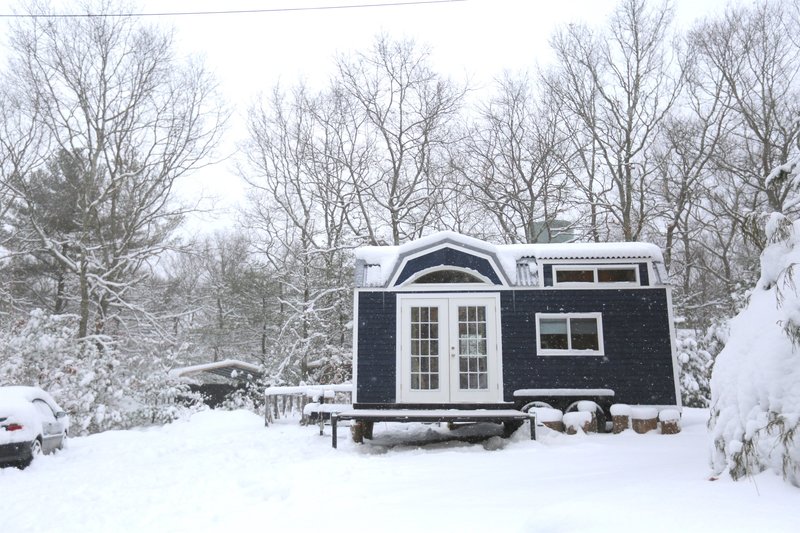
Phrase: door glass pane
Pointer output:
(472, 348)
(424, 348)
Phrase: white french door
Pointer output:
(449, 349)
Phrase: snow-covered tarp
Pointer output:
(755, 384)
(230, 366)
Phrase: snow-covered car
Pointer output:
(31, 423)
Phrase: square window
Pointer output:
(570, 334)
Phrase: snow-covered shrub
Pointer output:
(695, 362)
(755, 384)
(97, 385)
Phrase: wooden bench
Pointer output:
(369, 416)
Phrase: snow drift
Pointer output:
(755, 384)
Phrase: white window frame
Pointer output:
(568, 316)
(596, 281)
(482, 283)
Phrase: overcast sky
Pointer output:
(472, 39)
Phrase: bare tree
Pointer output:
(750, 50)
(407, 110)
(615, 89)
(302, 203)
(514, 165)
(128, 120)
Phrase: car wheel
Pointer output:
(36, 451)
(62, 442)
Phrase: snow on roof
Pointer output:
(376, 264)
(225, 368)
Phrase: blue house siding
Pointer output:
(637, 363)
(644, 277)
(449, 257)
(377, 343)
(638, 356)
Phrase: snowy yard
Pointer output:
(224, 471)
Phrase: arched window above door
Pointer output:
(448, 276)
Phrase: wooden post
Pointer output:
(357, 430)
(670, 421)
(368, 429)
(334, 420)
(533, 425)
(620, 417)
(644, 419)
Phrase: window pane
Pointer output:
(616, 275)
(553, 333)
(448, 276)
(553, 326)
(584, 334)
(575, 276)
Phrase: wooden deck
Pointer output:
(367, 417)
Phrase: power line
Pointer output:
(230, 12)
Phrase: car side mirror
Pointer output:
(61, 414)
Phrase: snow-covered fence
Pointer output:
(302, 400)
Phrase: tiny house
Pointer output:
(449, 321)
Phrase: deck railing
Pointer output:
(291, 401)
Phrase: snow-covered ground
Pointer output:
(224, 471)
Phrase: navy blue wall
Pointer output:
(449, 257)
(637, 364)
(644, 278)
(377, 344)
(638, 358)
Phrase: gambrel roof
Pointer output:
(515, 264)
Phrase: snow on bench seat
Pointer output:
(523, 393)
(436, 415)
(316, 408)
